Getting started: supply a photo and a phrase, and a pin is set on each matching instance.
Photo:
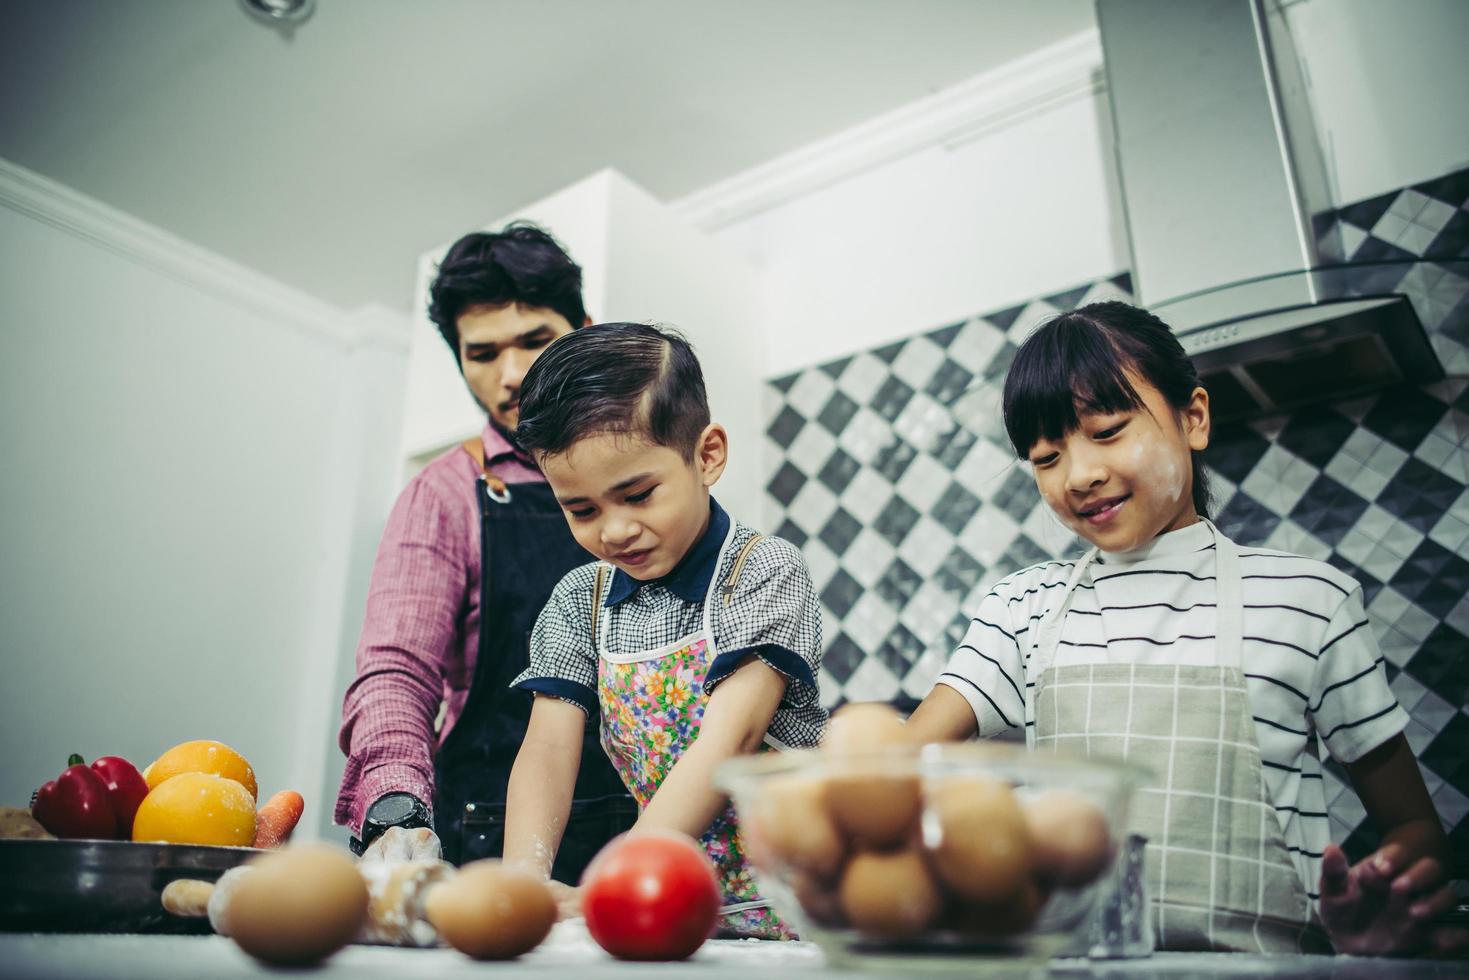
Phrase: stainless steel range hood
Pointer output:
(1221, 175)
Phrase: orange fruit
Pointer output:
(197, 808)
(201, 755)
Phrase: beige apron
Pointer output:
(1218, 872)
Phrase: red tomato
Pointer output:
(651, 897)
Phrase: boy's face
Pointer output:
(635, 504)
(497, 345)
(1122, 479)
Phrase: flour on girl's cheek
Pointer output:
(1159, 469)
(1155, 476)
(1157, 479)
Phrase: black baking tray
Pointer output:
(102, 885)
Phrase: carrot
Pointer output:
(277, 818)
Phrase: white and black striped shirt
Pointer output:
(1311, 663)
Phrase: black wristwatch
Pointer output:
(391, 810)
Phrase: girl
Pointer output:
(1212, 665)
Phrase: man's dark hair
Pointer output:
(1079, 361)
(620, 378)
(518, 264)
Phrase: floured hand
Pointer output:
(568, 900)
(398, 844)
(1386, 905)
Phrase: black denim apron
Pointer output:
(525, 549)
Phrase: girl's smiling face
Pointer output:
(1122, 478)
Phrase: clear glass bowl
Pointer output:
(941, 851)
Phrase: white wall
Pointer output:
(1388, 88)
(1003, 187)
(187, 450)
(965, 202)
(936, 237)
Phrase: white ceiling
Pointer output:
(331, 158)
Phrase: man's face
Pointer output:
(497, 345)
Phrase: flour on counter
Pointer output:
(570, 943)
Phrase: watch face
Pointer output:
(392, 808)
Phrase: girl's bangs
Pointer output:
(1066, 368)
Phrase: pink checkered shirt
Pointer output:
(420, 636)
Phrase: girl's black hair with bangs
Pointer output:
(1079, 361)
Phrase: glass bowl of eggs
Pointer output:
(874, 848)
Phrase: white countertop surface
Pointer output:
(569, 952)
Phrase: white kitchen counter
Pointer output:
(569, 952)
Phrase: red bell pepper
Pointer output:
(99, 801)
(76, 804)
(126, 787)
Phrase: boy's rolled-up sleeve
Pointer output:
(563, 651)
(987, 669)
(773, 615)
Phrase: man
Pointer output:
(472, 550)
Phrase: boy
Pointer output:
(693, 639)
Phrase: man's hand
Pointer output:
(1384, 905)
(568, 900)
(397, 844)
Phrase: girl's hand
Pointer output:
(1383, 905)
(568, 900)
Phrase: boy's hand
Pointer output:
(1383, 905)
(568, 900)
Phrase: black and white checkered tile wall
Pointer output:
(890, 469)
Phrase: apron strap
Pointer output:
(597, 597)
(1049, 631)
(1229, 604)
(731, 583)
(499, 493)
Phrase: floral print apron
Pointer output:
(652, 703)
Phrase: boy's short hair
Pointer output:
(620, 378)
(521, 263)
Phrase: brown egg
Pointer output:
(297, 905)
(1070, 842)
(889, 894)
(490, 912)
(993, 920)
(977, 839)
(792, 820)
(818, 899)
(863, 727)
(873, 809)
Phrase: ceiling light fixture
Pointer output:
(280, 12)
